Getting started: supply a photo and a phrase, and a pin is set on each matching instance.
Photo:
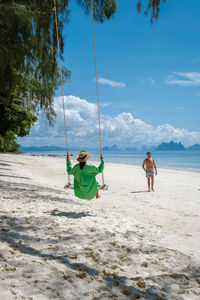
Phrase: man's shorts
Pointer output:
(150, 173)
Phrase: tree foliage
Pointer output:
(103, 10)
(28, 59)
(15, 120)
(28, 45)
(28, 50)
(152, 8)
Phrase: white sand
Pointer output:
(129, 244)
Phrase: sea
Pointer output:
(184, 160)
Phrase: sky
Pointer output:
(149, 79)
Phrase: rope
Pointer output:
(97, 89)
(61, 83)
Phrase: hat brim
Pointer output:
(84, 159)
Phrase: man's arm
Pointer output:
(154, 164)
(143, 165)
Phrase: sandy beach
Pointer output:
(129, 244)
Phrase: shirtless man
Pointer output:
(149, 166)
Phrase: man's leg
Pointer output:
(152, 183)
(148, 182)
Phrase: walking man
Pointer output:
(149, 166)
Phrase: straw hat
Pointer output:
(83, 156)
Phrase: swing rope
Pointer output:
(61, 83)
(97, 89)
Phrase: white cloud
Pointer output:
(151, 80)
(196, 59)
(105, 104)
(111, 82)
(184, 79)
(123, 129)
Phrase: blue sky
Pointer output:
(149, 72)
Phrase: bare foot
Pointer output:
(97, 197)
(149, 191)
(152, 190)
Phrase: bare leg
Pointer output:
(148, 181)
(97, 194)
(152, 183)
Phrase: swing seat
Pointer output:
(68, 186)
(104, 187)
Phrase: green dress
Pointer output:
(85, 184)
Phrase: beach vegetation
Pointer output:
(29, 69)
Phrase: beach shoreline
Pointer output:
(188, 169)
(129, 244)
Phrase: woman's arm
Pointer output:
(93, 171)
(101, 166)
(69, 167)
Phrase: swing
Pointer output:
(69, 185)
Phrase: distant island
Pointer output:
(133, 149)
(112, 148)
(42, 148)
(46, 149)
(176, 147)
(170, 146)
(195, 147)
(146, 149)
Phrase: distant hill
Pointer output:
(170, 146)
(134, 149)
(112, 148)
(195, 147)
(42, 148)
(146, 149)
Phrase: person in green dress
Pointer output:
(85, 184)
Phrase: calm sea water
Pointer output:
(188, 160)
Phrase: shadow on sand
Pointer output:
(70, 215)
(138, 192)
(125, 285)
(35, 193)
(13, 176)
(4, 164)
